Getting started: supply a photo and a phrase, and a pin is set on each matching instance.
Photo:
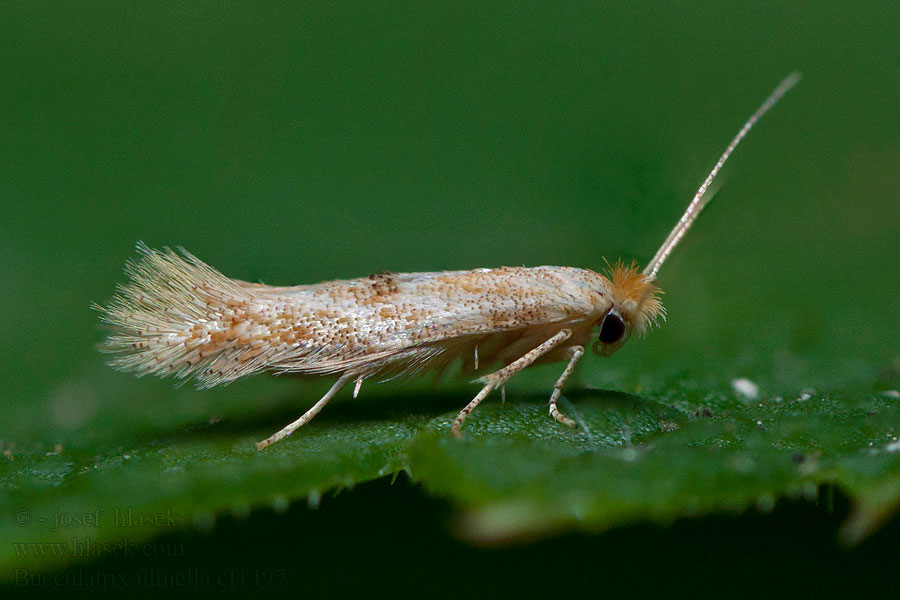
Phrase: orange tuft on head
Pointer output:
(636, 296)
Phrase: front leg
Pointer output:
(576, 352)
(500, 377)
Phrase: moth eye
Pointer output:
(612, 329)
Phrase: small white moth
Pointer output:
(178, 316)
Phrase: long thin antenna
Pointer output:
(700, 199)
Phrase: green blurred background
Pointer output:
(296, 142)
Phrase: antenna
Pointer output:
(700, 198)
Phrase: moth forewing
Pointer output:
(178, 316)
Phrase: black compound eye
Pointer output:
(612, 329)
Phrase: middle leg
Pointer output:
(500, 377)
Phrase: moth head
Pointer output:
(636, 306)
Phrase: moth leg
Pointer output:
(498, 378)
(576, 352)
(308, 415)
(469, 408)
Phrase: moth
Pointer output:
(178, 316)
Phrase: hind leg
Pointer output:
(308, 415)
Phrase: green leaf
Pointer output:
(651, 461)
(90, 502)
(515, 474)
